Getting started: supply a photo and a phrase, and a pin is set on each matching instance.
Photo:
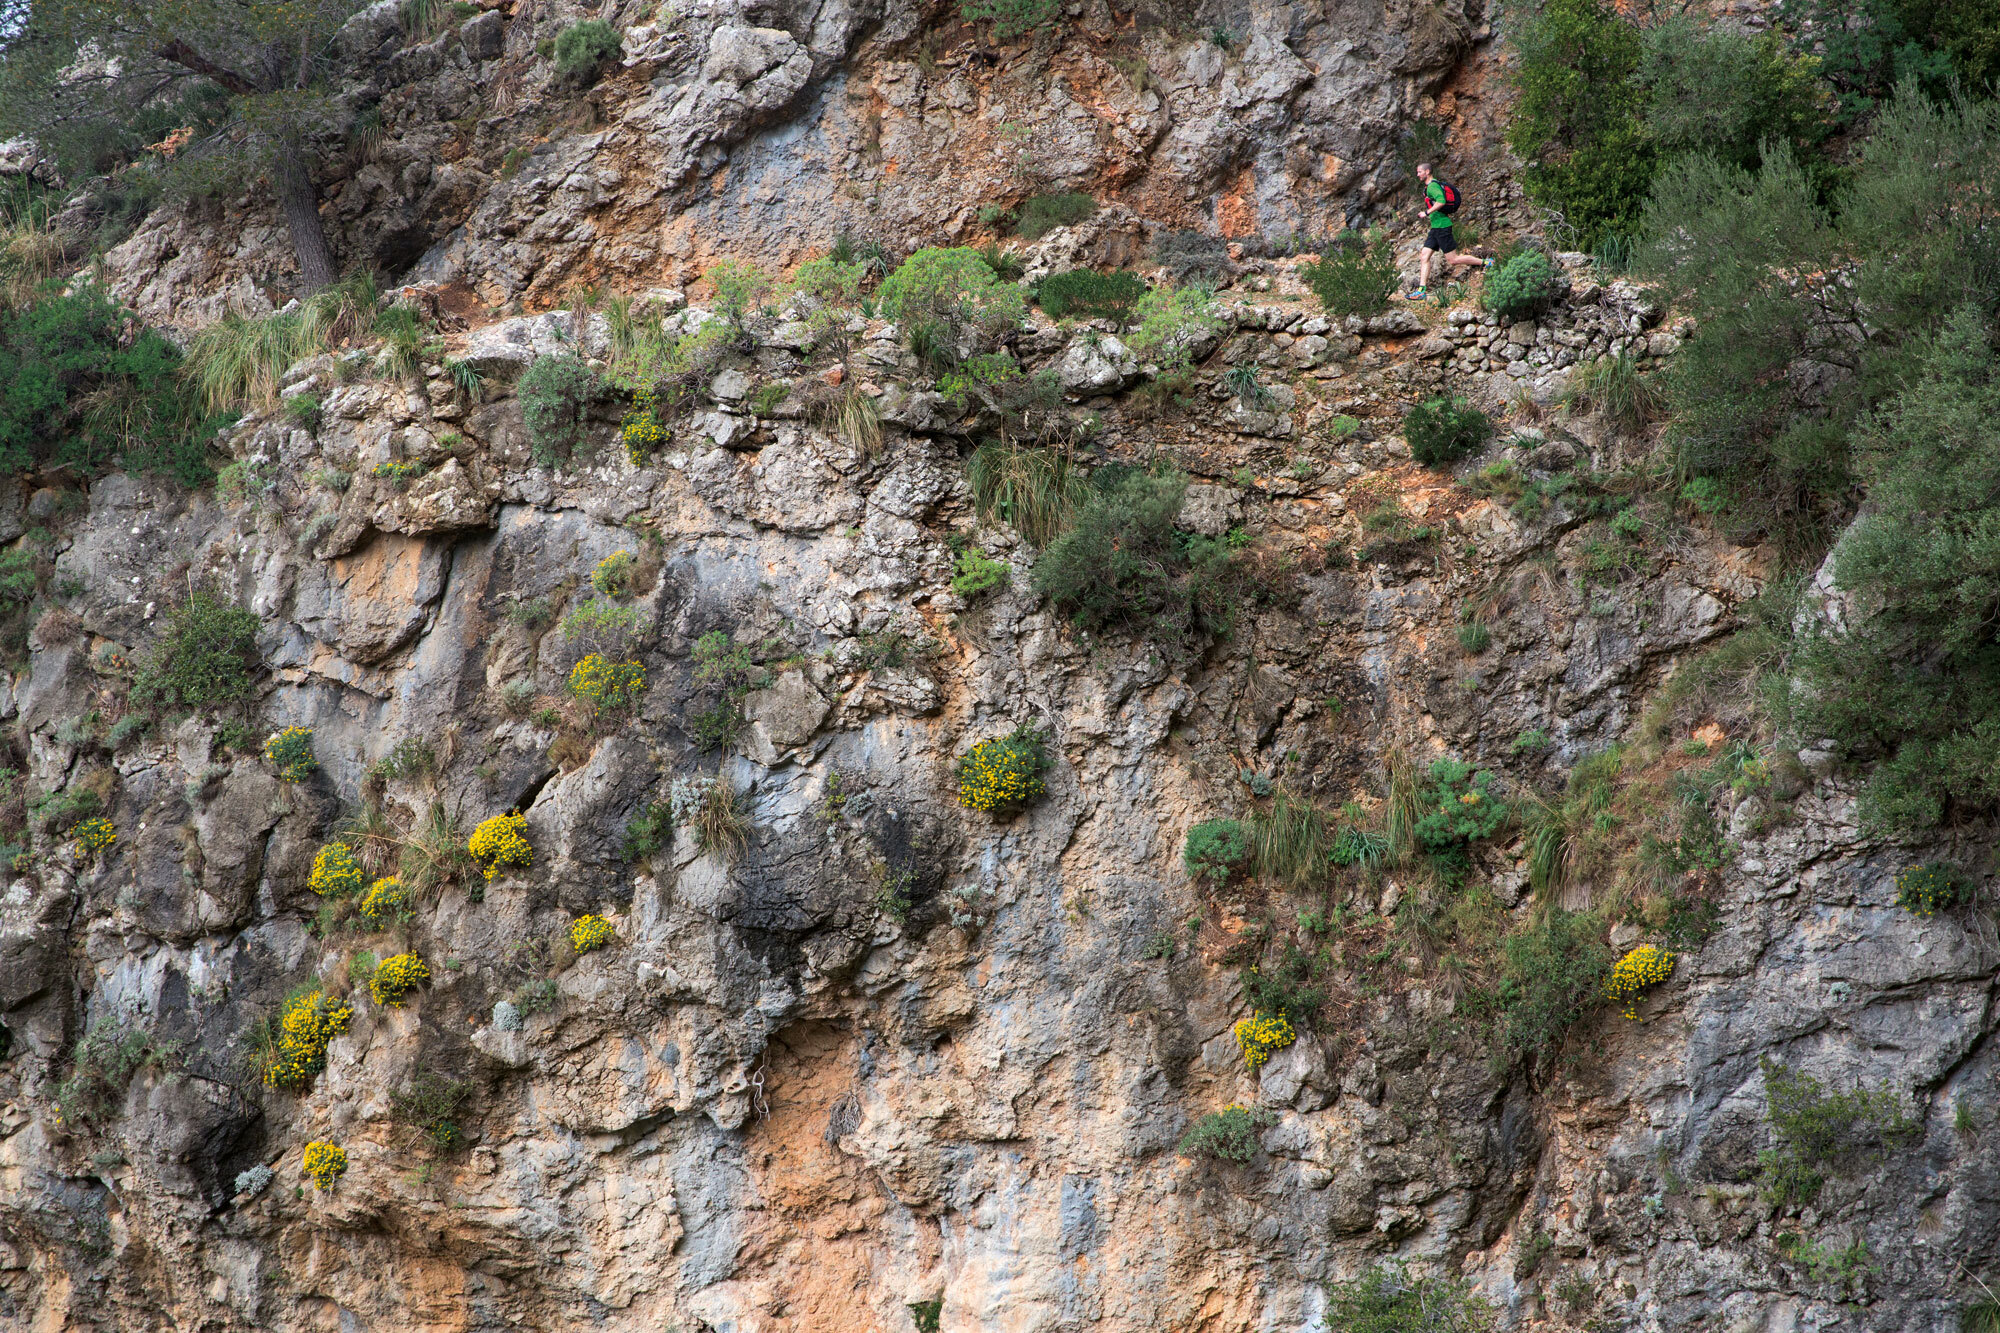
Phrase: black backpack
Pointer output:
(1450, 204)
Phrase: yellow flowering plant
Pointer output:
(613, 574)
(501, 843)
(1261, 1036)
(324, 1163)
(1929, 889)
(590, 932)
(605, 685)
(1644, 967)
(385, 900)
(93, 836)
(290, 752)
(308, 1023)
(335, 872)
(395, 977)
(643, 433)
(1004, 774)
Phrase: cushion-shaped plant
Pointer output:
(396, 977)
(1642, 968)
(384, 902)
(1443, 430)
(324, 1163)
(1005, 773)
(501, 843)
(589, 932)
(290, 752)
(1260, 1036)
(1216, 848)
(308, 1023)
(605, 685)
(1929, 889)
(93, 836)
(335, 872)
(1523, 287)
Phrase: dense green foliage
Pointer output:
(1818, 1131)
(1010, 18)
(1215, 849)
(1229, 1134)
(1127, 565)
(1523, 287)
(1386, 1299)
(582, 50)
(1043, 213)
(204, 659)
(1550, 976)
(947, 297)
(1912, 671)
(84, 387)
(1443, 430)
(1354, 275)
(1094, 295)
(556, 393)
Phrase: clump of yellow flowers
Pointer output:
(384, 901)
(397, 977)
(642, 432)
(94, 835)
(1263, 1035)
(613, 574)
(501, 843)
(605, 685)
(324, 1163)
(335, 872)
(590, 932)
(1005, 773)
(308, 1023)
(1648, 965)
(290, 752)
(1929, 889)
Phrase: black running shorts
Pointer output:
(1440, 240)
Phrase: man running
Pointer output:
(1440, 237)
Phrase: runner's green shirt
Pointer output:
(1435, 193)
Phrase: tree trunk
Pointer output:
(299, 199)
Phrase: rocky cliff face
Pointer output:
(879, 1050)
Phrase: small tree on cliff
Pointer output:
(235, 90)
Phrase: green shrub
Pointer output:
(1818, 1132)
(305, 411)
(583, 49)
(975, 572)
(740, 290)
(1193, 258)
(1473, 637)
(82, 387)
(102, 1066)
(1386, 1299)
(1096, 295)
(1931, 888)
(1461, 806)
(953, 292)
(1010, 18)
(721, 661)
(1523, 287)
(1127, 565)
(1004, 774)
(556, 393)
(1216, 849)
(1551, 974)
(205, 658)
(1720, 92)
(1354, 275)
(1229, 1134)
(1442, 431)
(601, 627)
(1045, 212)
(649, 831)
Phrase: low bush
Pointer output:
(335, 872)
(952, 293)
(1094, 295)
(398, 976)
(1229, 1134)
(1386, 1299)
(204, 659)
(974, 572)
(295, 1052)
(606, 686)
(1045, 212)
(1010, 18)
(1443, 430)
(501, 843)
(1003, 775)
(556, 394)
(92, 836)
(1460, 806)
(430, 1105)
(583, 49)
(290, 752)
(1175, 323)
(1522, 288)
(590, 932)
(1127, 564)
(612, 576)
(1216, 849)
(1636, 973)
(1931, 888)
(601, 627)
(102, 1066)
(1261, 1036)
(324, 1163)
(1551, 973)
(1818, 1131)
(1354, 275)
(708, 806)
(385, 902)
